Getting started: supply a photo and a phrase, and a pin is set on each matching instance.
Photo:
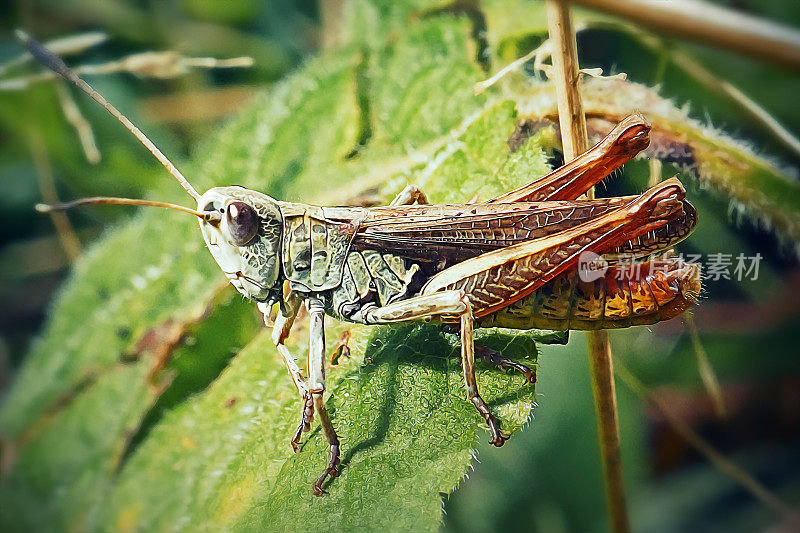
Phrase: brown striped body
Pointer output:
(639, 294)
(499, 254)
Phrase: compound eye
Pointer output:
(243, 223)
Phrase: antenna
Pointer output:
(109, 200)
(57, 65)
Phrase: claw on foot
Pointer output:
(530, 375)
(305, 422)
(498, 440)
(332, 470)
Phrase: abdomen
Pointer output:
(640, 294)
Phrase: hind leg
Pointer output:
(627, 139)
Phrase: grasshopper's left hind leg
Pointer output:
(451, 304)
(316, 381)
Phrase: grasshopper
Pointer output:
(509, 262)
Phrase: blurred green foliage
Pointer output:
(375, 112)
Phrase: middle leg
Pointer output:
(316, 380)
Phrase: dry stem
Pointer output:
(44, 171)
(574, 141)
(705, 369)
(710, 24)
(74, 116)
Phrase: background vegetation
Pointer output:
(152, 400)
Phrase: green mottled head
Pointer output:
(245, 239)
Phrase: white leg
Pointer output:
(316, 378)
(280, 330)
(409, 195)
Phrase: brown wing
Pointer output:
(498, 278)
(446, 234)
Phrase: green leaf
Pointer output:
(407, 430)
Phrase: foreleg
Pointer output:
(280, 331)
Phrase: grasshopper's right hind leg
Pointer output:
(568, 182)
(628, 138)
(280, 330)
(504, 363)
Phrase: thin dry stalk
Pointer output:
(719, 460)
(705, 369)
(543, 49)
(605, 406)
(710, 24)
(63, 46)
(539, 55)
(44, 171)
(712, 81)
(74, 116)
(575, 140)
(564, 53)
(655, 172)
(160, 65)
